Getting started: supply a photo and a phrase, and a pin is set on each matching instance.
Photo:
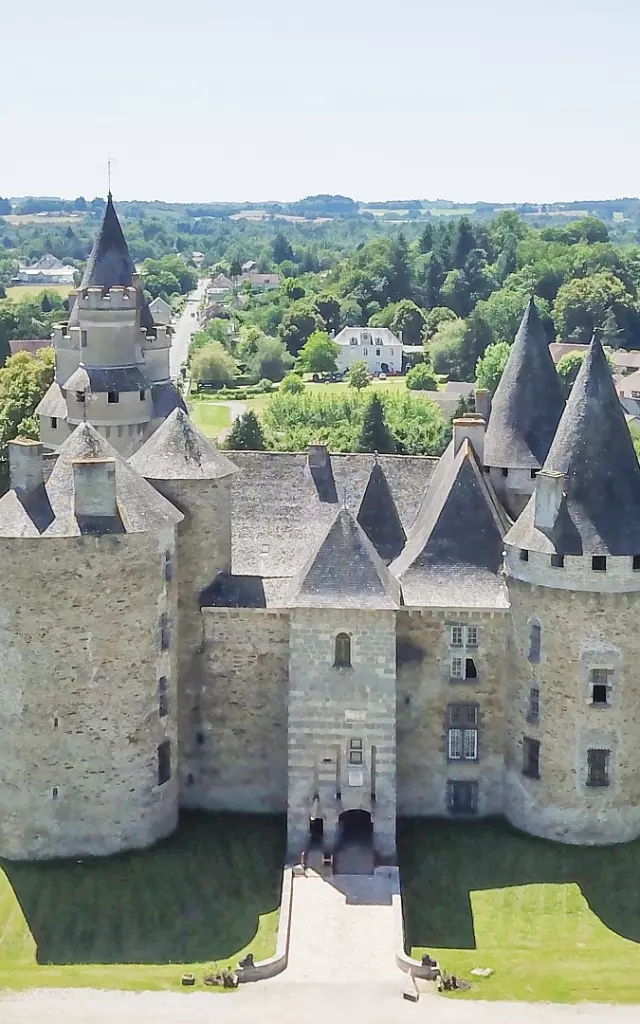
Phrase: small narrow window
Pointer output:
(505, 472)
(355, 751)
(600, 682)
(533, 713)
(636, 563)
(343, 651)
(113, 397)
(377, 351)
(168, 566)
(163, 697)
(535, 639)
(54, 422)
(83, 339)
(164, 762)
(165, 638)
(190, 779)
(200, 739)
(462, 797)
(456, 636)
(55, 723)
(524, 555)
(531, 758)
(534, 473)
(599, 563)
(557, 561)
(143, 394)
(54, 793)
(80, 397)
(597, 768)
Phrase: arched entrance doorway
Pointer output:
(354, 844)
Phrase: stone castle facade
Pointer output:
(320, 634)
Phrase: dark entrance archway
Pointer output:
(384, 367)
(355, 825)
(354, 845)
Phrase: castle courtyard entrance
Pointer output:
(353, 853)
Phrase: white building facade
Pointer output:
(378, 347)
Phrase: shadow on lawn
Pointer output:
(195, 897)
(443, 862)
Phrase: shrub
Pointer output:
(422, 378)
(292, 385)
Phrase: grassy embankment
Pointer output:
(201, 898)
(555, 922)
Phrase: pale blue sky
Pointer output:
(277, 99)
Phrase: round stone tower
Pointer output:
(188, 469)
(573, 571)
(88, 702)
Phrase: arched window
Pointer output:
(343, 651)
(535, 636)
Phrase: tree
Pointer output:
(270, 360)
(422, 378)
(568, 368)
(281, 249)
(425, 242)
(24, 379)
(293, 289)
(446, 346)
(5, 207)
(328, 308)
(235, 269)
(582, 303)
(213, 365)
(298, 323)
(246, 434)
(610, 332)
(408, 322)
(456, 294)
(434, 318)
(292, 385)
(490, 366)
(375, 435)
(358, 374)
(464, 242)
(319, 354)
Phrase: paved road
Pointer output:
(185, 327)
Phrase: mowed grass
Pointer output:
(20, 292)
(209, 417)
(555, 922)
(204, 897)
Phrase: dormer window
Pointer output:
(599, 563)
(80, 397)
(113, 397)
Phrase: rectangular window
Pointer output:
(353, 341)
(533, 714)
(165, 638)
(462, 737)
(535, 642)
(355, 751)
(113, 397)
(472, 636)
(534, 473)
(597, 768)
(80, 397)
(531, 758)
(365, 351)
(143, 395)
(83, 339)
(599, 563)
(456, 668)
(457, 636)
(377, 351)
(505, 471)
(636, 563)
(163, 697)
(164, 762)
(524, 555)
(462, 797)
(600, 685)
(168, 567)
(54, 422)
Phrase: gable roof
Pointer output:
(453, 555)
(600, 511)
(110, 261)
(528, 402)
(50, 512)
(345, 571)
(378, 516)
(178, 451)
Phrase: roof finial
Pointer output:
(109, 162)
(376, 461)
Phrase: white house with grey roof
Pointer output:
(342, 638)
(378, 347)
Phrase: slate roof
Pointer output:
(453, 553)
(378, 516)
(528, 402)
(600, 513)
(50, 511)
(178, 451)
(278, 515)
(110, 261)
(52, 403)
(345, 571)
(100, 379)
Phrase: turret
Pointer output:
(525, 413)
(88, 631)
(189, 471)
(572, 564)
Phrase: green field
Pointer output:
(19, 292)
(555, 922)
(209, 417)
(137, 921)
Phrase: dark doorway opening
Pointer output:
(384, 367)
(471, 671)
(316, 830)
(355, 826)
(354, 847)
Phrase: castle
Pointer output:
(321, 635)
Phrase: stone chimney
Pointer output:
(318, 456)
(25, 466)
(482, 398)
(472, 427)
(547, 499)
(94, 488)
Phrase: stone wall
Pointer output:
(578, 632)
(238, 760)
(425, 689)
(79, 714)
(328, 707)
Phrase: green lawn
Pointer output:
(556, 922)
(20, 292)
(210, 417)
(137, 921)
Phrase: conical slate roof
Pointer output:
(51, 511)
(345, 571)
(178, 451)
(110, 261)
(378, 516)
(453, 555)
(600, 513)
(528, 402)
